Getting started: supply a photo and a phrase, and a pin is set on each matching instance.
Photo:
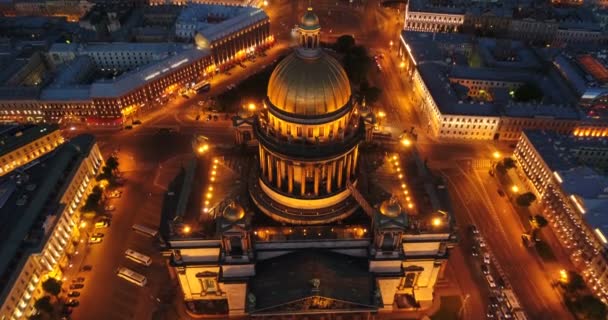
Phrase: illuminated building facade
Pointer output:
(164, 69)
(37, 240)
(23, 144)
(302, 215)
(562, 170)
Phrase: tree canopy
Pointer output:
(44, 304)
(344, 43)
(527, 92)
(52, 286)
(540, 221)
(526, 199)
(371, 94)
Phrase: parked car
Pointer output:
(485, 269)
(128, 127)
(494, 302)
(101, 224)
(87, 267)
(481, 242)
(486, 258)
(475, 251)
(109, 207)
(491, 282)
(501, 193)
(115, 194)
(136, 122)
(94, 240)
(473, 230)
(97, 235)
(76, 286)
(72, 303)
(74, 294)
(78, 280)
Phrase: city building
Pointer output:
(568, 174)
(302, 214)
(470, 88)
(71, 9)
(21, 144)
(543, 23)
(105, 84)
(39, 205)
(244, 3)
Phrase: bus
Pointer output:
(519, 315)
(145, 230)
(131, 276)
(203, 86)
(138, 257)
(512, 301)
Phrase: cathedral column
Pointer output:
(349, 160)
(329, 177)
(303, 180)
(263, 160)
(270, 160)
(340, 170)
(279, 173)
(317, 176)
(355, 157)
(290, 177)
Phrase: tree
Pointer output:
(575, 282)
(112, 163)
(527, 92)
(540, 221)
(344, 43)
(591, 307)
(526, 199)
(92, 202)
(357, 64)
(52, 286)
(509, 163)
(44, 304)
(37, 316)
(371, 94)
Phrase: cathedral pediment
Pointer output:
(315, 304)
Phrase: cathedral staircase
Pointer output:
(359, 198)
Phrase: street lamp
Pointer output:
(265, 3)
(203, 148)
(436, 222)
(563, 275)
(406, 142)
(391, 44)
(401, 66)
(515, 189)
(496, 155)
(251, 106)
(186, 229)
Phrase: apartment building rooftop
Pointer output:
(30, 201)
(13, 137)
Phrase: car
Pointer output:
(501, 193)
(481, 242)
(97, 235)
(66, 311)
(473, 229)
(215, 118)
(186, 96)
(101, 224)
(209, 118)
(78, 280)
(475, 251)
(136, 122)
(198, 116)
(128, 127)
(485, 269)
(115, 194)
(109, 207)
(491, 282)
(87, 267)
(494, 302)
(74, 294)
(76, 286)
(94, 240)
(486, 258)
(72, 303)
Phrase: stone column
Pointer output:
(317, 176)
(355, 157)
(349, 160)
(329, 176)
(340, 170)
(270, 160)
(303, 180)
(262, 160)
(290, 177)
(279, 173)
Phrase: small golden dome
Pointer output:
(309, 21)
(233, 212)
(309, 86)
(390, 208)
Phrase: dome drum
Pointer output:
(303, 149)
(308, 119)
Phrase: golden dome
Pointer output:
(233, 212)
(309, 21)
(309, 86)
(390, 208)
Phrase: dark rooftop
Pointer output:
(21, 135)
(341, 278)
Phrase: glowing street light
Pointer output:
(251, 107)
(496, 155)
(83, 224)
(563, 275)
(265, 3)
(187, 229)
(406, 142)
(515, 189)
(203, 148)
(436, 222)
(402, 65)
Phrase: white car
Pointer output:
(115, 194)
(491, 282)
(486, 258)
(101, 224)
(482, 242)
